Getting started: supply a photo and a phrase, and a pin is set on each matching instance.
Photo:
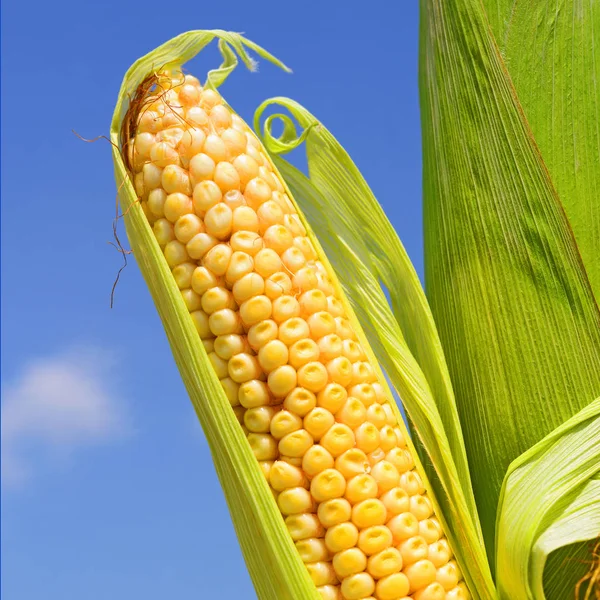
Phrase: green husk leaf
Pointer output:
(273, 562)
(550, 499)
(551, 55)
(515, 312)
(364, 250)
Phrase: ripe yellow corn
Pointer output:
(289, 361)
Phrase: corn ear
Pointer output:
(273, 562)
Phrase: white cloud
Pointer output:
(58, 404)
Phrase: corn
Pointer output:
(277, 335)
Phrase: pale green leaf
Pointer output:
(550, 50)
(273, 562)
(511, 299)
(364, 250)
(549, 500)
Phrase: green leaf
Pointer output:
(550, 52)
(515, 312)
(549, 500)
(365, 253)
(273, 562)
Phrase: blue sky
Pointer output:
(108, 489)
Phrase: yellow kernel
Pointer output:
(261, 333)
(183, 275)
(294, 224)
(235, 142)
(200, 244)
(312, 550)
(294, 501)
(300, 401)
(176, 205)
(396, 501)
(312, 376)
(175, 253)
(430, 529)
(448, 576)
(413, 549)
(384, 563)
(329, 592)
(206, 195)
(284, 476)
(285, 307)
(332, 397)
(342, 326)
(315, 460)
(321, 573)
(224, 321)
(364, 392)
(374, 539)
(218, 221)
(376, 415)
(256, 192)
(368, 513)
(361, 487)
(312, 301)
(353, 413)
(254, 393)
(230, 388)
(246, 241)
(338, 439)
(269, 214)
(439, 553)
(403, 526)
(277, 284)
(156, 202)
(266, 262)
(163, 154)
(392, 587)
(216, 298)
(304, 245)
(460, 592)
(341, 537)
(215, 148)
(357, 587)
(246, 167)
(386, 475)
(327, 484)
(258, 420)
(175, 179)
(295, 444)
(187, 226)
(401, 458)
(248, 286)
(317, 422)
(272, 355)
(321, 323)
(433, 591)
(282, 380)
(330, 347)
(240, 265)
(420, 574)
(263, 446)
(285, 422)
(421, 507)
(334, 512)
(244, 219)
(367, 437)
(209, 346)
(226, 177)
(217, 258)
(340, 370)
(256, 310)
(305, 279)
(191, 299)
(387, 438)
(243, 367)
(351, 463)
(411, 482)
(220, 117)
(152, 176)
(234, 199)
(348, 562)
(293, 330)
(304, 526)
(303, 352)
(200, 319)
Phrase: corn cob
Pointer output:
(315, 415)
